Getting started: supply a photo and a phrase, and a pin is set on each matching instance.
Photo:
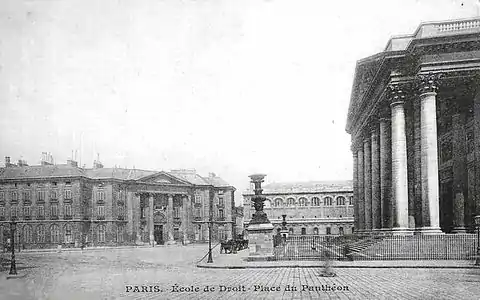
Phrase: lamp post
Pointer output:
(477, 224)
(13, 266)
(210, 259)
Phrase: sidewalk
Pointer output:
(52, 250)
(238, 261)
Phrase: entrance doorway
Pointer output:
(158, 234)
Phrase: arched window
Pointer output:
(328, 201)
(315, 231)
(41, 234)
(340, 200)
(267, 203)
(340, 230)
(54, 234)
(101, 233)
(302, 202)
(278, 202)
(290, 230)
(27, 234)
(350, 200)
(68, 233)
(304, 231)
(290, 202)
(315, 201)
(329, 230)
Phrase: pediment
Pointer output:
(163, 178)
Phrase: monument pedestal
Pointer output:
(260, 241)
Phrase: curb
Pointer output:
(334, 267)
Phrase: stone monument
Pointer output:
(260, 230)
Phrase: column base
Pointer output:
(429, 231)
(460, 229)
(401, 231)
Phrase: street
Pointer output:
(170, 273)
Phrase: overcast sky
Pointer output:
(231, 87)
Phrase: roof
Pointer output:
(41, 172)
(66, 170)
(307, 187)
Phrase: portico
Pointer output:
(414, 123)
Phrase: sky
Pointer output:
(230, 87)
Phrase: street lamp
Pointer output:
(210, 259)
(477, 224)
(13, 266)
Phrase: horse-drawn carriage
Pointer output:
(238, 244)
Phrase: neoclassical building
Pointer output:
(414, 120)
(312, 208)
(64, 204)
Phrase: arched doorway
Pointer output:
(158, 221)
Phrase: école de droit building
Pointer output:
(63, 204)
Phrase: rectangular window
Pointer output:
(2, 212)
(13, 211)
(101, 211)
(221, 214)
(26, 196)
(470, 142)
(40, 196)
(41, 211)
(14, 196)
(176, 212)
(68, 194)
(100, 195)
(2, 196)
(54, 211)
(221, 202)
(198, 199)
(197, 212)
(53, 194)
(27, 212)
(68, 210)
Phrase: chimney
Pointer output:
(72, 163)
(8, 164)
(22, 163)
(97, 164)
(47, 159)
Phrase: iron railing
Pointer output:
(378, 247)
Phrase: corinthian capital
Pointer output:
(396, 92)
(428, 83)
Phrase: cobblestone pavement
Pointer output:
(109, 274)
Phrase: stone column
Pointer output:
(399, 161)
(361, 195)
(385, 170)
(367, 187)
(476, 135)
(170, 219)
(139, 237)
(417, 165)
(460, 179)
(376, 209)
(150, 220)
(185, 223)
(355, 185)
(429, 155)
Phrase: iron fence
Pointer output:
(378, 247)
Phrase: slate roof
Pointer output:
(41, 172)
(66, 170)
(306, 187)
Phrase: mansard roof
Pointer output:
(67, 170)
(306, 187)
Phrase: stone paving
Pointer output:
(110, 273)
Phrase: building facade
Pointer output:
(68, 205)
(311, 208)
(414, 119)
